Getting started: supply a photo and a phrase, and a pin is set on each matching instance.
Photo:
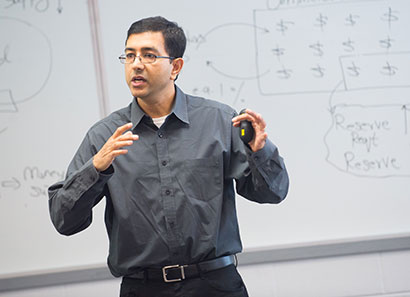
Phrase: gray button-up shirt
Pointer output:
(171, 199)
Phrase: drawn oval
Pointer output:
(25, 60)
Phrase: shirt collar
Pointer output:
(180, 109)
(136, 113)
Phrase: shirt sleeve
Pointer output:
(71, 201)
(260, 176)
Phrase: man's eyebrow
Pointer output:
(144, 49)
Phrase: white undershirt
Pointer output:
(159, 121)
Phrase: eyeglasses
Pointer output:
(144, 59)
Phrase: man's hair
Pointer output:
(174, 36)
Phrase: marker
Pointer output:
(246, 130)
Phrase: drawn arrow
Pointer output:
(405, 109)
(60, 6)
(264, 30)
(211, 65)
(14, 183)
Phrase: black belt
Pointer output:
(176, 273)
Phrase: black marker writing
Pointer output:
(284, 73)
(321, 21)
(5, 56)
(318, 71)
(389, 70)
(31, 173)
(278, 51)
(38, 5)
(354, 163)
(386, 43)
(317, 49)
(282, 26)
(390, 17)
(348, 46)
(351, 20)
(353, 70)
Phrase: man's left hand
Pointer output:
(258, 124)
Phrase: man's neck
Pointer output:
(158, 106)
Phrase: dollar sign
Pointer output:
(390, 17)
(278, 51)
(386, 43)
(351, 20)
(282, 26)
(284, 73)
(349, 45)
(317, 47)
(353, 70)
(389, 69)
(318, 70)
(321, 21)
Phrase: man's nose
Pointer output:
(137, 62)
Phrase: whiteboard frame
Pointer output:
(293, 252)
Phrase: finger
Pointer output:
(259, 122)
(264, 136)
(249, 115)
(117, 153)
(240, 117)
(256, 120)
(122, 129)
(254, 115)
(128, 136)
(119, 144)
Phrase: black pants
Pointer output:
(225, 282)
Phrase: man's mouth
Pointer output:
(138, 80)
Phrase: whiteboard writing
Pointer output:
(302, 54)
(370, 141)
(32, 182)
(339, 49)
(227, 68)
(22, 75)
(39, 6)
(24, 70)
(375, 70)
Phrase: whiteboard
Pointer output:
(48, 100)
(331, 78)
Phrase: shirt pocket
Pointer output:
(201, 179)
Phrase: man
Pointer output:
(166, 165)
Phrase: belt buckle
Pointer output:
(164, 273)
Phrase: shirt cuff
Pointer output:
(263, 155)
(87, 176)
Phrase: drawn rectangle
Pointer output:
(376, 70)
(298, 49)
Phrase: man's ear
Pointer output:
(177, 64)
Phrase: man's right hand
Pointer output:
(113, 147)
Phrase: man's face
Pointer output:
(148, 80)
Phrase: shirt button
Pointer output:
(164, 163)
(160, 135)
(167, 192)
